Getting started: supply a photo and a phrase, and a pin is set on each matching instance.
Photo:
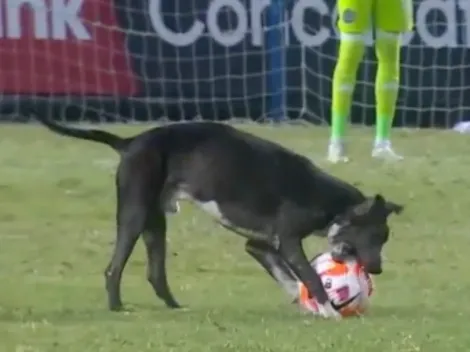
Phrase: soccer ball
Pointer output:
(348, 286)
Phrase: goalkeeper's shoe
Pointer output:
(337, 153)
(383, 150)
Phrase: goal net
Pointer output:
(129, 60)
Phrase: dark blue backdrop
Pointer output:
(244, 79)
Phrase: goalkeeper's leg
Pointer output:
(387, 48)
(354, 20)
(392, 17)
(350, 54)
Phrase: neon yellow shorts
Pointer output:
(359, 16)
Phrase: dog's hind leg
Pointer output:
(273, 263)
(130, 224)
(155, 243)
(136, 193)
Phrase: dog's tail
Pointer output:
(112, 140)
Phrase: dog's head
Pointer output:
(362, 231)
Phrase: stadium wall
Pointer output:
(125, 57)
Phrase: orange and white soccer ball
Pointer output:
(348, 286)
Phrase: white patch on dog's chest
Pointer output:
(211, 207)
(333, 230)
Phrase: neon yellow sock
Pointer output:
(387, 49)
(351, 51)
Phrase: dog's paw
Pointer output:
(184, 309)
(327, 311)
(116, 307)
(172, 304)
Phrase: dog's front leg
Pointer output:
(292, 252)
(273, 263)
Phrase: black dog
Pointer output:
(254, 187)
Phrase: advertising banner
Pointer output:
(63, 47)
(220, 59)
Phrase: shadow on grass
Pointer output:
(160, 314)
(148, 312)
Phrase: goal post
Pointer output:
(124, 60)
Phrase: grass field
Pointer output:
(56, 232)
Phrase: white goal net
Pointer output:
(140, 60)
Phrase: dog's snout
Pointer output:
(373, 267)
(374, 270)
(371, 260)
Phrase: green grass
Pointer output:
(56, 232)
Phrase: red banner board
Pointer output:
(63, 47)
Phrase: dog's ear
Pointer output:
(393, 208)
(381, 207)
(372, 209)
(369, 209)
(378, 203)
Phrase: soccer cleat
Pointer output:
(383, 150)
(336, 153)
